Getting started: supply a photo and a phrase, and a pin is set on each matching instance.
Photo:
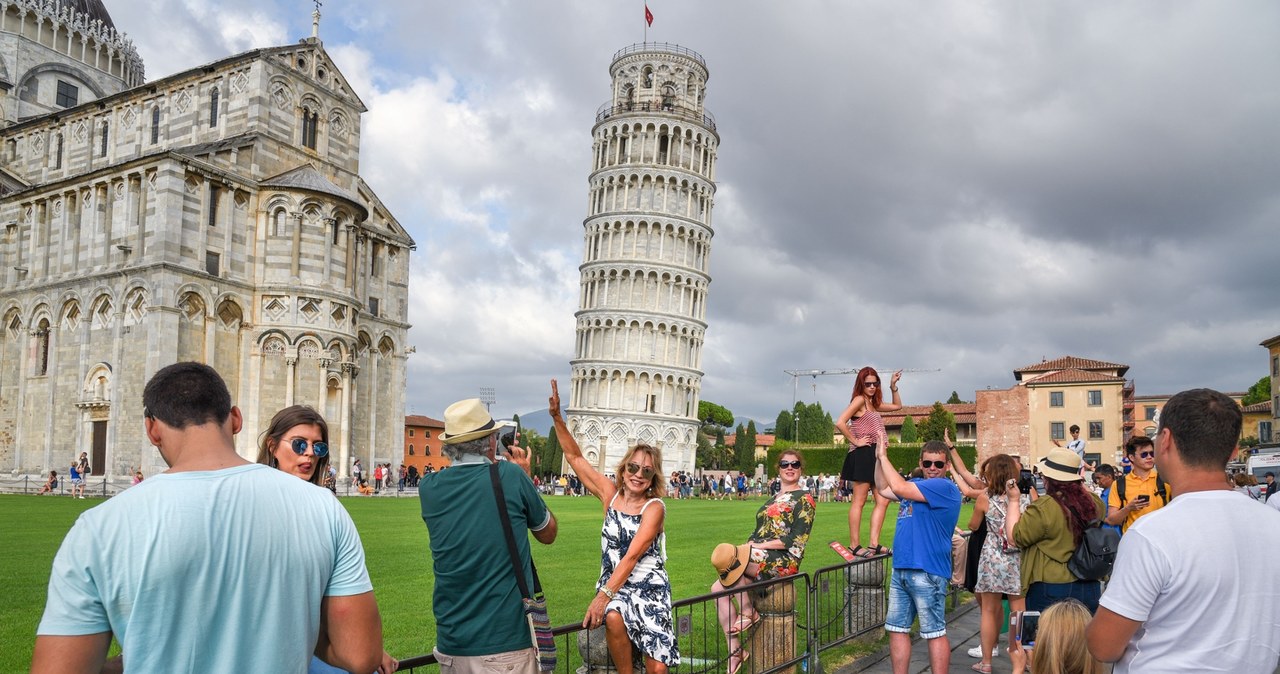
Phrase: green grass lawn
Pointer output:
(399, 560)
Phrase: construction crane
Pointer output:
(797, 374)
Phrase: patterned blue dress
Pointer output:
(645, 600)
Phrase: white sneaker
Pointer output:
(976, 651)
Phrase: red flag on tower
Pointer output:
(648, 16)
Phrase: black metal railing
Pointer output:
(800, 617)
(670, 109)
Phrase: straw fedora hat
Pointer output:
(466, 420)
(1062, 465)
(730, 561)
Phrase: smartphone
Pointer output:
(506, 436)
(1028, 625)
(1142, 501)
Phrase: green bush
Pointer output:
(817, 460)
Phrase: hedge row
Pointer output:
(818, 460)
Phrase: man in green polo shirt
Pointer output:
(480, 623)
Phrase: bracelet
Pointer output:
(608, 593)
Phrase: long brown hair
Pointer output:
(657, 487)
(1077, 504)
(997, 471)
(873, 400)
(285, 419)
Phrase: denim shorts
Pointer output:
(913, 593)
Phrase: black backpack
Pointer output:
(1160, 490)
(1096, 553)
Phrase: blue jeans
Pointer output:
(913, 593)
(1041, 596)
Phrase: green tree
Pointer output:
(939, 420)
(783, 428)
(719, 436)
(1260, 392)
(816, 426)
(552, 455)
(909, 432)
(747, 455)
(710, 456)
(954, 399)
(711, 413)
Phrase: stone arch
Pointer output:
(273, 342)
(97, 383)
(81, 79)
(230, 314)
(102, 310)
(386, 346)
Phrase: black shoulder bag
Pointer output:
(535, 604)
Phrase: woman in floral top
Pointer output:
(775, 549)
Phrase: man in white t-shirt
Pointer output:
(1179, 602)
(215, 565)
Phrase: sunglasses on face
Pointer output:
(644, 471)
(871, 383)
(299, 446)
(788, 464)
(933, 464)
(1146, 455)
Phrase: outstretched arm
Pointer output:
(896, 487)
(597, 484)
(893, 388)
(969, 484)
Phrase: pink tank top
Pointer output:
(869, 424)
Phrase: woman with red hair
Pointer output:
(863, 428)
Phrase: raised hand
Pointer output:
(553, 403)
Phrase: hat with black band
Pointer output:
(1062, 465)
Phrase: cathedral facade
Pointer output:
(214, 215)
(637, 369)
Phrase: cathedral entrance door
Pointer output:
(99, 453)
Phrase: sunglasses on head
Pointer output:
(933, 464)
(1146, 455)
(644, 471)
(299, 446)
(788, 464)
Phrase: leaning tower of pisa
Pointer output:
(642, 311)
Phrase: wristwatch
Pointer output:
(608, 593)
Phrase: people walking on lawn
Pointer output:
(477, 601)
(863, 428)
(633, 594)
(1179, 598)
(928, 509)
(216, 564)
(79, 474)
(776, 548)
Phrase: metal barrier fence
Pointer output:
(800, 617)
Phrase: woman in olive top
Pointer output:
(1049, 532)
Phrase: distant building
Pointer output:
(422, 443)
(215, 215)
(1048, 398)
(764, 442)
(965, 414)
(1273, 351)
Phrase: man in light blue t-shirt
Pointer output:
(927, 512)
(216, 565)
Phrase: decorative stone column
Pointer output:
(773, 639)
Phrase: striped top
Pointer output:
(869, 424)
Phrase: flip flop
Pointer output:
(742, 660)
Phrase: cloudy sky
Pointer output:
(962, 186)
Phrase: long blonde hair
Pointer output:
(1060, 642)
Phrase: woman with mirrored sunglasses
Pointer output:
(633, 595)
(775, 549)
(297, 442)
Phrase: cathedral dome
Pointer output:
(93, 9)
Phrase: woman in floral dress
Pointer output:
(999, 562)
(775, 549)
(633, 595)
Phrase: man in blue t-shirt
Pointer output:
(927, 512)
(1105, 477)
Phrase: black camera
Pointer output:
(1026, 481)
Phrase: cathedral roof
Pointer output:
(93, 9)
(308, 179)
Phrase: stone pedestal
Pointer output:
(593, 646)
(864, 596)
(773, 639)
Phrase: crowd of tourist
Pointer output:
(127, 568)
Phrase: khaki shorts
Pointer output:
(524, 661)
